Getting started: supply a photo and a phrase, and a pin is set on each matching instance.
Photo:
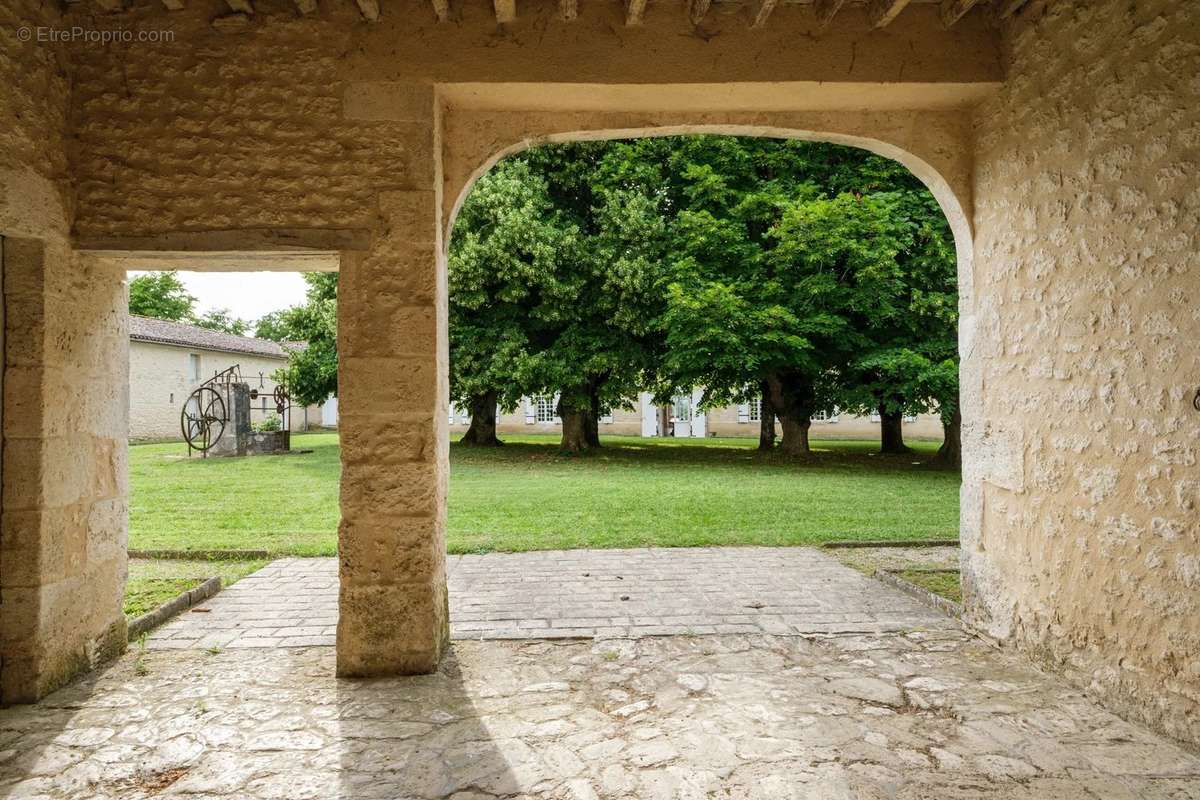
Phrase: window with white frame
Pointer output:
(826, 416)
(754, 407)
(545, 409)
(194, 366)
(681, 408)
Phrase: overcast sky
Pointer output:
(248, 295)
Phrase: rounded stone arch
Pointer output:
(952, 188)
(953, 200)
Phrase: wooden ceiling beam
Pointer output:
(760, 10)
(952, 10)
(506, 11)
(882, 12)
(635, 10)
(826, 10)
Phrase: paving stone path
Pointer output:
(575, 593)
(930, 715)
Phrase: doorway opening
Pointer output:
(745, 340)
(234, 456)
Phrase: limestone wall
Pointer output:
(63, 514)
(303, 122)
(329, 123)
(1087, 279)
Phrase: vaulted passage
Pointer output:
(1059, 138)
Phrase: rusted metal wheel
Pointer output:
(281, 399)
(203, 418)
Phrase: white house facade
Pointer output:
(684, 419)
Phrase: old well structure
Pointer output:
(1061, 139)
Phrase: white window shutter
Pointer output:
(530, 410)
(744, 412)
(452, 413)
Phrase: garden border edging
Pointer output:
(182, 602)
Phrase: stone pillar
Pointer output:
(392, 387)
(64, 519)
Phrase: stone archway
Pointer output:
(473, 144)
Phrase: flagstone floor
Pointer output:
(641, 674)
(916, 715)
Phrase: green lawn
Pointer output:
(153, 582)
(943, 582)
(527, 496)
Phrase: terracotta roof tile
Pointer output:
(148, 329)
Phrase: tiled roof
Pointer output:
(148, 329)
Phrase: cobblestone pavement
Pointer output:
(913, 716)
(574, 593)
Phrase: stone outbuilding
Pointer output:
(1060, 138)
(168, 360)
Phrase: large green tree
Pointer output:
(311, 372)
(907, 363)
(507, 245)
(555, 288)
(811, 274)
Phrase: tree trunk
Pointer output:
(592, 432)
(766, 419)
(574, 431)
(482, 432)
(577, 424)
(891, 428)
(795, 435)
(950, 453)
(792, 397)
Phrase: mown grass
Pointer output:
(153, 582)
(941, 582)
(527, 496)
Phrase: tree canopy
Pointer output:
(553, 290)
(816, 275)
(311, 372)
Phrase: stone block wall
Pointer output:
(64, 520)
(62, 508)
(1087, 279)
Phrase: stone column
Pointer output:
(392, 374)
(64, 521)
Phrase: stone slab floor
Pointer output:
(915, 715)
(575, 593)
